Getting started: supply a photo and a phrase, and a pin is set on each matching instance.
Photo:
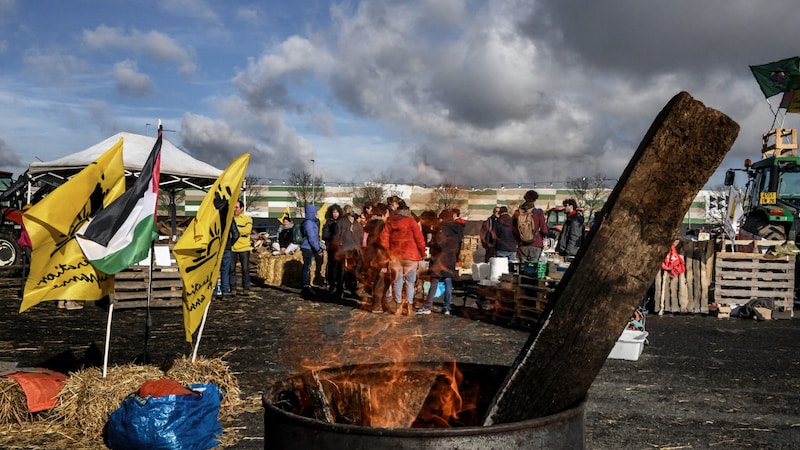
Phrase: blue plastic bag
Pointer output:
(169, 422)
(439, 288)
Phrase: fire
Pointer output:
(393, 391)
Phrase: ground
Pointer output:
(701, 382)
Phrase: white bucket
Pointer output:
(480, 271)
(497, 267)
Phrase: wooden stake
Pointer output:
(617, 263)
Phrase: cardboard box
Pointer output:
(766, 313)
(629, 346)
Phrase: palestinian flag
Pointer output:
(120, 235)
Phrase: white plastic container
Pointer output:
(629, 346)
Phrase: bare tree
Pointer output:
(447, 195)
(373, 192)
(253, 188)
(589, 192)
(305, 192)
(164, 199)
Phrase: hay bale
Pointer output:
(13, 402)
(87, 399)
(208, 371)
(287, 270)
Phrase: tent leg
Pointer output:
(173, 215)
(200, 332)
(108, 338)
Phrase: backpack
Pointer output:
(298, 234)
(526, 227)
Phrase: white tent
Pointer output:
(179, 170)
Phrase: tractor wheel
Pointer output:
(9, 250)
(772, 232)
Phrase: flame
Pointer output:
(371, 374)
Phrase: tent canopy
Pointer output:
(179, 170)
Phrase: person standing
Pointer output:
(310, 248)
(240, 250)
(25, 246)
(349, 238)
(530, 250)
(225, 266)
(571, 237)
(505, 242)
(330, 232)
(488, 236)
(375, 263)
(402, 237)
(445, 250)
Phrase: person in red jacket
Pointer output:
(402, 237)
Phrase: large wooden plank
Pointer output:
(618, 262)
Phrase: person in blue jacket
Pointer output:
(310, 248)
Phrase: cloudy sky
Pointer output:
(477, 93)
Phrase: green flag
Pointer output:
(779, 76)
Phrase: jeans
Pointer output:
(448, 292)
(244, 257)
(224, 272)
(308, 258)
(405, 279)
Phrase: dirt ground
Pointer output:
(701, 382)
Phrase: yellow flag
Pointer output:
(548, 206)
(199, 250)
(321, 216)
(286, 213)
(59, 270)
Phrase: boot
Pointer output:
(306, 293)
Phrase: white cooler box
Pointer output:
(629, 346)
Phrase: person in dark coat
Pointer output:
(333, 269)
(505, 242)
(571, 237)
(445, 251)
(375, 264)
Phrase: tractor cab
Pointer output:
(773, 188)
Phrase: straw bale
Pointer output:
(13, 402)
(208, 371)
(286, 270)
(87, 399)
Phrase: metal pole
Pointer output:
(312, 183)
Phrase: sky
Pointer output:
(472, 93)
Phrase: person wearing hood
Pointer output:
(310, 248)
(284, 245)
(445, 250)
(505, 242)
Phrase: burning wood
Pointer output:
(617, 263)
(403, 395)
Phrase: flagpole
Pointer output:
(108, 336)
(200, 331)
(148, 322)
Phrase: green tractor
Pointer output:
(772, 204)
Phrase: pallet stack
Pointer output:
(518, 299)
(534, 293)
(742, 277)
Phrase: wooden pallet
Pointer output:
(130, 287)
(741, 277)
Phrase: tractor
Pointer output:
(11, 227)
(772, 198)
